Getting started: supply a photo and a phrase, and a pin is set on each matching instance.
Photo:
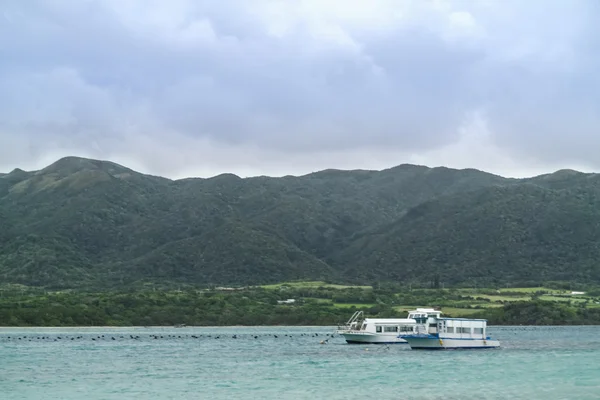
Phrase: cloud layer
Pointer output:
(272, 87)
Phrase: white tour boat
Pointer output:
(376, 330)
(435, 332)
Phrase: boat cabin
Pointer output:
(431, 322)
(427, 318)
(462, 328)
(378, 325)
(435, 332)
(383, 325)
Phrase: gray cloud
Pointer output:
(204, 87)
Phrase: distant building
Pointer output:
(288, 301)
(577, 292)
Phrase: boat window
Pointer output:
(390, 329)
(478, 331)
(378, 329)
(406, 328)
(364, 327)
(450, 329)
(463, 330)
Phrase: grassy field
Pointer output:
(531, 290)
(350, 305)
(500, 298)
(506, 295)
(448, 311)
(459, 312)
(317, 300)
(573, 299)
(311, 285)
(462, 302)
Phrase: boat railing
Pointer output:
(354, 318)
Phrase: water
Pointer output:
(534, 363)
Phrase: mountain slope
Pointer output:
(243, 256)
(81, 222)
(520, 233)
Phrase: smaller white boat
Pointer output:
(375, 330)
(435, 332)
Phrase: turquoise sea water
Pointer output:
(534, 363)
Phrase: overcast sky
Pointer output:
(195, 88)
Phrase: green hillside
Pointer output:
(519, 234)
(83, 223)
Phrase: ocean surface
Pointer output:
(290, 363)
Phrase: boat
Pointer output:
(435, 332)
(375, 330)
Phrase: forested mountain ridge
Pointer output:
(81, 222)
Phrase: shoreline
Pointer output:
(241, 326)
(164, 326)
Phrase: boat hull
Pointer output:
(371, 338)
(436, 343)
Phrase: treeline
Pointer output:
(260, 307)
(162, 308)
(539, 312)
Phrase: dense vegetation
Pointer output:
(95, 225)
(315, 304)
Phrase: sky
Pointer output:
(265, 87)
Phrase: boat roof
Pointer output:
(390, 320)
(463, 319)
(425, 310)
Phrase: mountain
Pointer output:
(91, 223)
(519, 234)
